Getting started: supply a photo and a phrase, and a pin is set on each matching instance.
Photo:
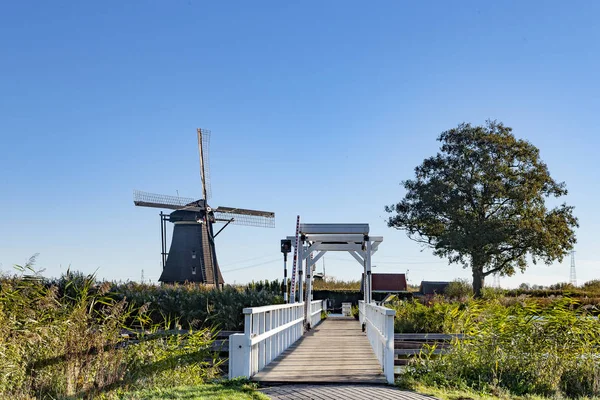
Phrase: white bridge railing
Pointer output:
(268, 332)
(379, 324)
(316, 306)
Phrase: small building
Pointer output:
(431, 288)
(385, 284)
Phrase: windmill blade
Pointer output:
(145, 199)
(242, 216)
(203, 150)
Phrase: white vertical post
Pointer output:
(247, 369)
(368, 294)
(388, 367)
(259, 323)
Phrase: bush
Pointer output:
(355, 312)
(459, 289)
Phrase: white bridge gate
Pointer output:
(270, 330)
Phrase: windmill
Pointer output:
(192, 256)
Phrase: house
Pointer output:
(431, 288)
(387, 283)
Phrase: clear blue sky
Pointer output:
(317, 108)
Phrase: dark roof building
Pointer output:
(386, 283)
(433, 287)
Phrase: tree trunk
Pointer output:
(478, 277)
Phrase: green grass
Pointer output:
(468, 394)
(234, 390)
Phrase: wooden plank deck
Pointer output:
(337, 392)
(336, 351)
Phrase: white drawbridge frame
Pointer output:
(321, 238)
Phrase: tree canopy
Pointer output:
(481, 202)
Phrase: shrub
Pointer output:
(459, 289)
(355, 312)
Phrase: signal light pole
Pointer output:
(286, 247)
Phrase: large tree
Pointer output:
(481, 202)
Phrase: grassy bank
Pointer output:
(444, 393)
(63, 339)
(229, 390)
(514, 346)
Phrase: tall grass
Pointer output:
(335, 284)
(66, 341)
(522, 347)
(196, 306)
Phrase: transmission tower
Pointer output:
(496, 283)
(573, 276)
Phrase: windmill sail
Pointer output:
(242, 216)
(145, 199)
(203, 146)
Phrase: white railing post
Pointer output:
(247, 362)
(361, 311)
(379, 322)
(388, 363)
(316, 307)
(238, 363)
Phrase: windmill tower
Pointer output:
(192, 256)
(572, 275)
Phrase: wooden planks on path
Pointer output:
(336, 351)
(337, 392)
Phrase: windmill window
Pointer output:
(193, 255)
(193, 270)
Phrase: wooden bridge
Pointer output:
(275, 348)
(335, 351)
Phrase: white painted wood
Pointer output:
(346, 309)
(339, 237)
(334, 228)
(237, 356)
(268, 332)
(316, 307)
(368, 296)
(314, 260)
(379, 324)
(357, 257)
(337, 246)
